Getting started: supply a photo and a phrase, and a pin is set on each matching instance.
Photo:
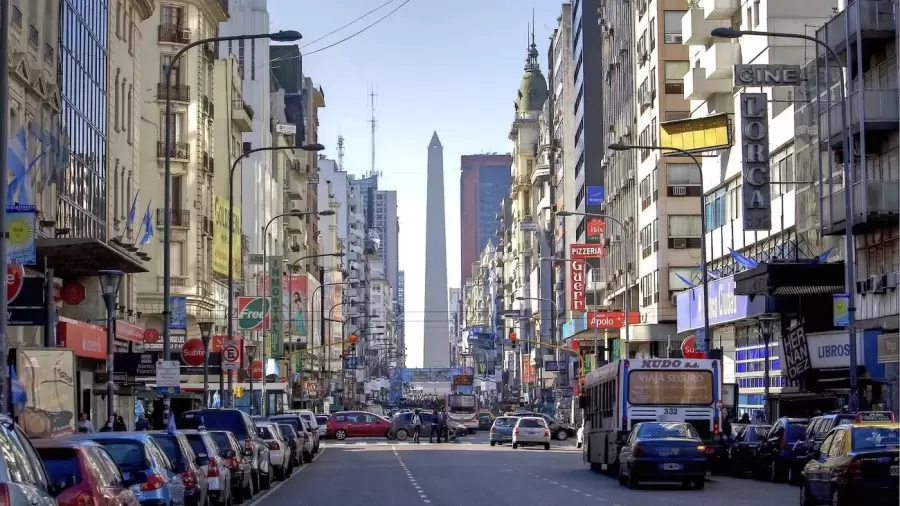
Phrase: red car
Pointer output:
(344, 424)
(86, 473)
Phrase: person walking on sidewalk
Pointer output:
(417, 425)
(435, 427)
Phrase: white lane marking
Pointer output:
(412, 480)
(260, 497)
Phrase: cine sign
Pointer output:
(760, 76)
(757, 190)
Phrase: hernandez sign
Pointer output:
(757, 192)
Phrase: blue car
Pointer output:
(663, 451)
(143, 463)
(502, 430)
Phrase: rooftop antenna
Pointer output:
(373, 93)
(340, 152)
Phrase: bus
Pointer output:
(625, 392)
(463, 409)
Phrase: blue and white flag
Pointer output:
(18, 191)
(685, 281)
(148, 226)
(19, 396)
(131, 212)
(742, 260)
(170, 426)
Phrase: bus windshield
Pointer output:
(461, 403)
(668, 387)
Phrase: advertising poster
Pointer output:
(21, 247)
(297, 307)
(314, 308)
(44, 394)
(220, 237)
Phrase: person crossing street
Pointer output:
(435, 426)
(417, 426)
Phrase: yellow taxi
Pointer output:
(857, 463)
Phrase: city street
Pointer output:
(386, 473)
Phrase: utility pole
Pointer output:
(4, 146)
(373, 123)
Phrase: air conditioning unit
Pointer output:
(878, 284)
(646, 99)
(186, 34)
(679, 243)
(893, 279)
(679, 191)
(673, 38)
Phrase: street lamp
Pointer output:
(766, 328)
(266, 279)
(250, 350)
(205, 333)
(234, 165)
(109, 287)
(849, 183)
(282, 36)
(626, 303)
(704, 276)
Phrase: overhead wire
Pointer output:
(347, 24)
(364, 29)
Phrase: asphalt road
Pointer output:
(384, 473)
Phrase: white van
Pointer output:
(309, 417)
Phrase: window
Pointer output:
(781, 169)
(165, 61)
(755, 13)
(682, 174)
(684, 231)
(177, 193)
(716, 209)
(652, 33)
(877, 253)
(675, 72)
(116, 102)
(117, 197)
(119, 18)
(171, 16)
(677, 284)
(241, 58)
(672, 27)
(676, 115)
(130, 113)
(122, 94)
(177, 255)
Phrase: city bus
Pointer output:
(625, 392)
(463, 409)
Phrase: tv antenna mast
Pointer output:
(373, 94)
(340, 152)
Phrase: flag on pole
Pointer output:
(131, 212)
(18, 190)
(148, 226)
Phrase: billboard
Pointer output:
(697, 134)
(43, 391)
(757, 191)
(220, 237)
(294, 307)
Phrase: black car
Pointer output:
(779, 457)
(743, 448)
(663, 451)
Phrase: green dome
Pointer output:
(533, 89)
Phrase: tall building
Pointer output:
(435, 335)
(400, 313)
(387, 222)
(591, 69)
(483, 183)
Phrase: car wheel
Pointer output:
(265, 481)
(700, 484)
(546, 446)
(402, 435)
(307, 457)
(493, 443)
(515, 446)
(633, 480)
(340, 435)
(562, 435)
(623, 480)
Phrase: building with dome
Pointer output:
(519, 244)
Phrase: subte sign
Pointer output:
(689, 348)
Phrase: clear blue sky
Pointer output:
(450, 67)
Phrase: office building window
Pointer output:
(675, 72)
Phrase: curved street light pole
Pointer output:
(704, 274)
(626, 303)
(849, 183)
(282, 36)
(552, 337)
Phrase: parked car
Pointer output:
(779, 457)
(295, 443)
(744, 447)
(663, 451)
(295, 418)
(211, 461)
(83, 473)
(308, 435)
(344, 424)
(321, 423)
(23, 460)
(559, 430)
(279, 451)
(144, 465)
(502, 430)
(485, 421)
(401, 426)
(238, 423)
(180, 453)
(531, 431)
(238, 464)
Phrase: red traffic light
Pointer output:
(352, 338)
(512, 336)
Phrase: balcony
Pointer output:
(242, 115)
(719, 59)
(871, 20)
(695, 27)
(177, 151)
(175, 92)
(875, 204)
(208, 162)
(699, 87)
(173, 34)
(179, 217)
(292, 192)
(719, 9)
(879, 114)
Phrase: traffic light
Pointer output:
(512, 339)
(352, 340)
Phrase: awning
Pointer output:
(790, 279)
(81, 257)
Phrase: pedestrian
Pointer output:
(745, 418)
(85, 425)
(435, 423)
(142, 423)
(417, 425)
(119, 424)
(442, 420)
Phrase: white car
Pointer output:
(279, 450)
(218, 476)
(531, 430)
(579, 438)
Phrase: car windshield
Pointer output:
(62, 464)
(667, 430)
(292, 421)
(169, 444)
(531, 422)
(505, 422)
(128, 455)
(756, 433)
(875, 438)
(265, 432)
(225, 419)
(308, 417)
(796, 430)
(286, 429)
(197, 443)
(221, 439)
(322, 420)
